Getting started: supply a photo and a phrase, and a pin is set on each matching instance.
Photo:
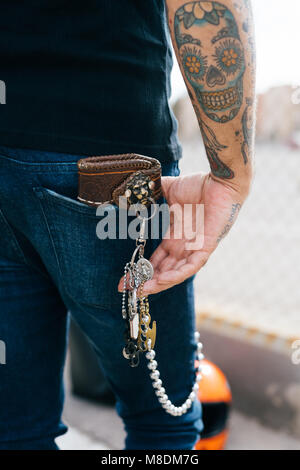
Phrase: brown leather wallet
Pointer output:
(104, 179)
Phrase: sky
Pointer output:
(277, 25)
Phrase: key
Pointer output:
(133, 314)
(146, 332)
(138, 331)
(134, 326)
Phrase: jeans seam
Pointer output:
(50, 236)
(15, 242)
(19, 250)
(81, 208)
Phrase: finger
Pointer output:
(176, 276)
(174, 252)
(121, 283)
(152, 287)
(180, 271)
(179, 263)
(194, 263)
(199, 258)
(167, 264)
(172, 264)
(158, 256)
(183, 270)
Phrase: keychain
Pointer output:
(137, 315)
(140, 335)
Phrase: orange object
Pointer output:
(213, 386)
(215, 396)
(217, 442)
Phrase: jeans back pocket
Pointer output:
(89, 268)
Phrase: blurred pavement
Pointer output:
(96, 427)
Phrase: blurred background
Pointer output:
(257, 267)
(248, 295)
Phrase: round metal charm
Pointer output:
(145, 269)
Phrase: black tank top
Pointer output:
(87, 77)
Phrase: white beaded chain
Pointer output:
(158, 385)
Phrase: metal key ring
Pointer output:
(154, 213)
(134, 255)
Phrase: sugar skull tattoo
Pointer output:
(215, 65)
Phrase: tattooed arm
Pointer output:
(215, 50)
(213, 42)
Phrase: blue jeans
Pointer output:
(52, 263)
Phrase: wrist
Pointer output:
(239, 186)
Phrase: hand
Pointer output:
(172, 261)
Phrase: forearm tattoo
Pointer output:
(248, 130)
(214, 66)
(235, 208)
(214, 58)
(213, 147)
